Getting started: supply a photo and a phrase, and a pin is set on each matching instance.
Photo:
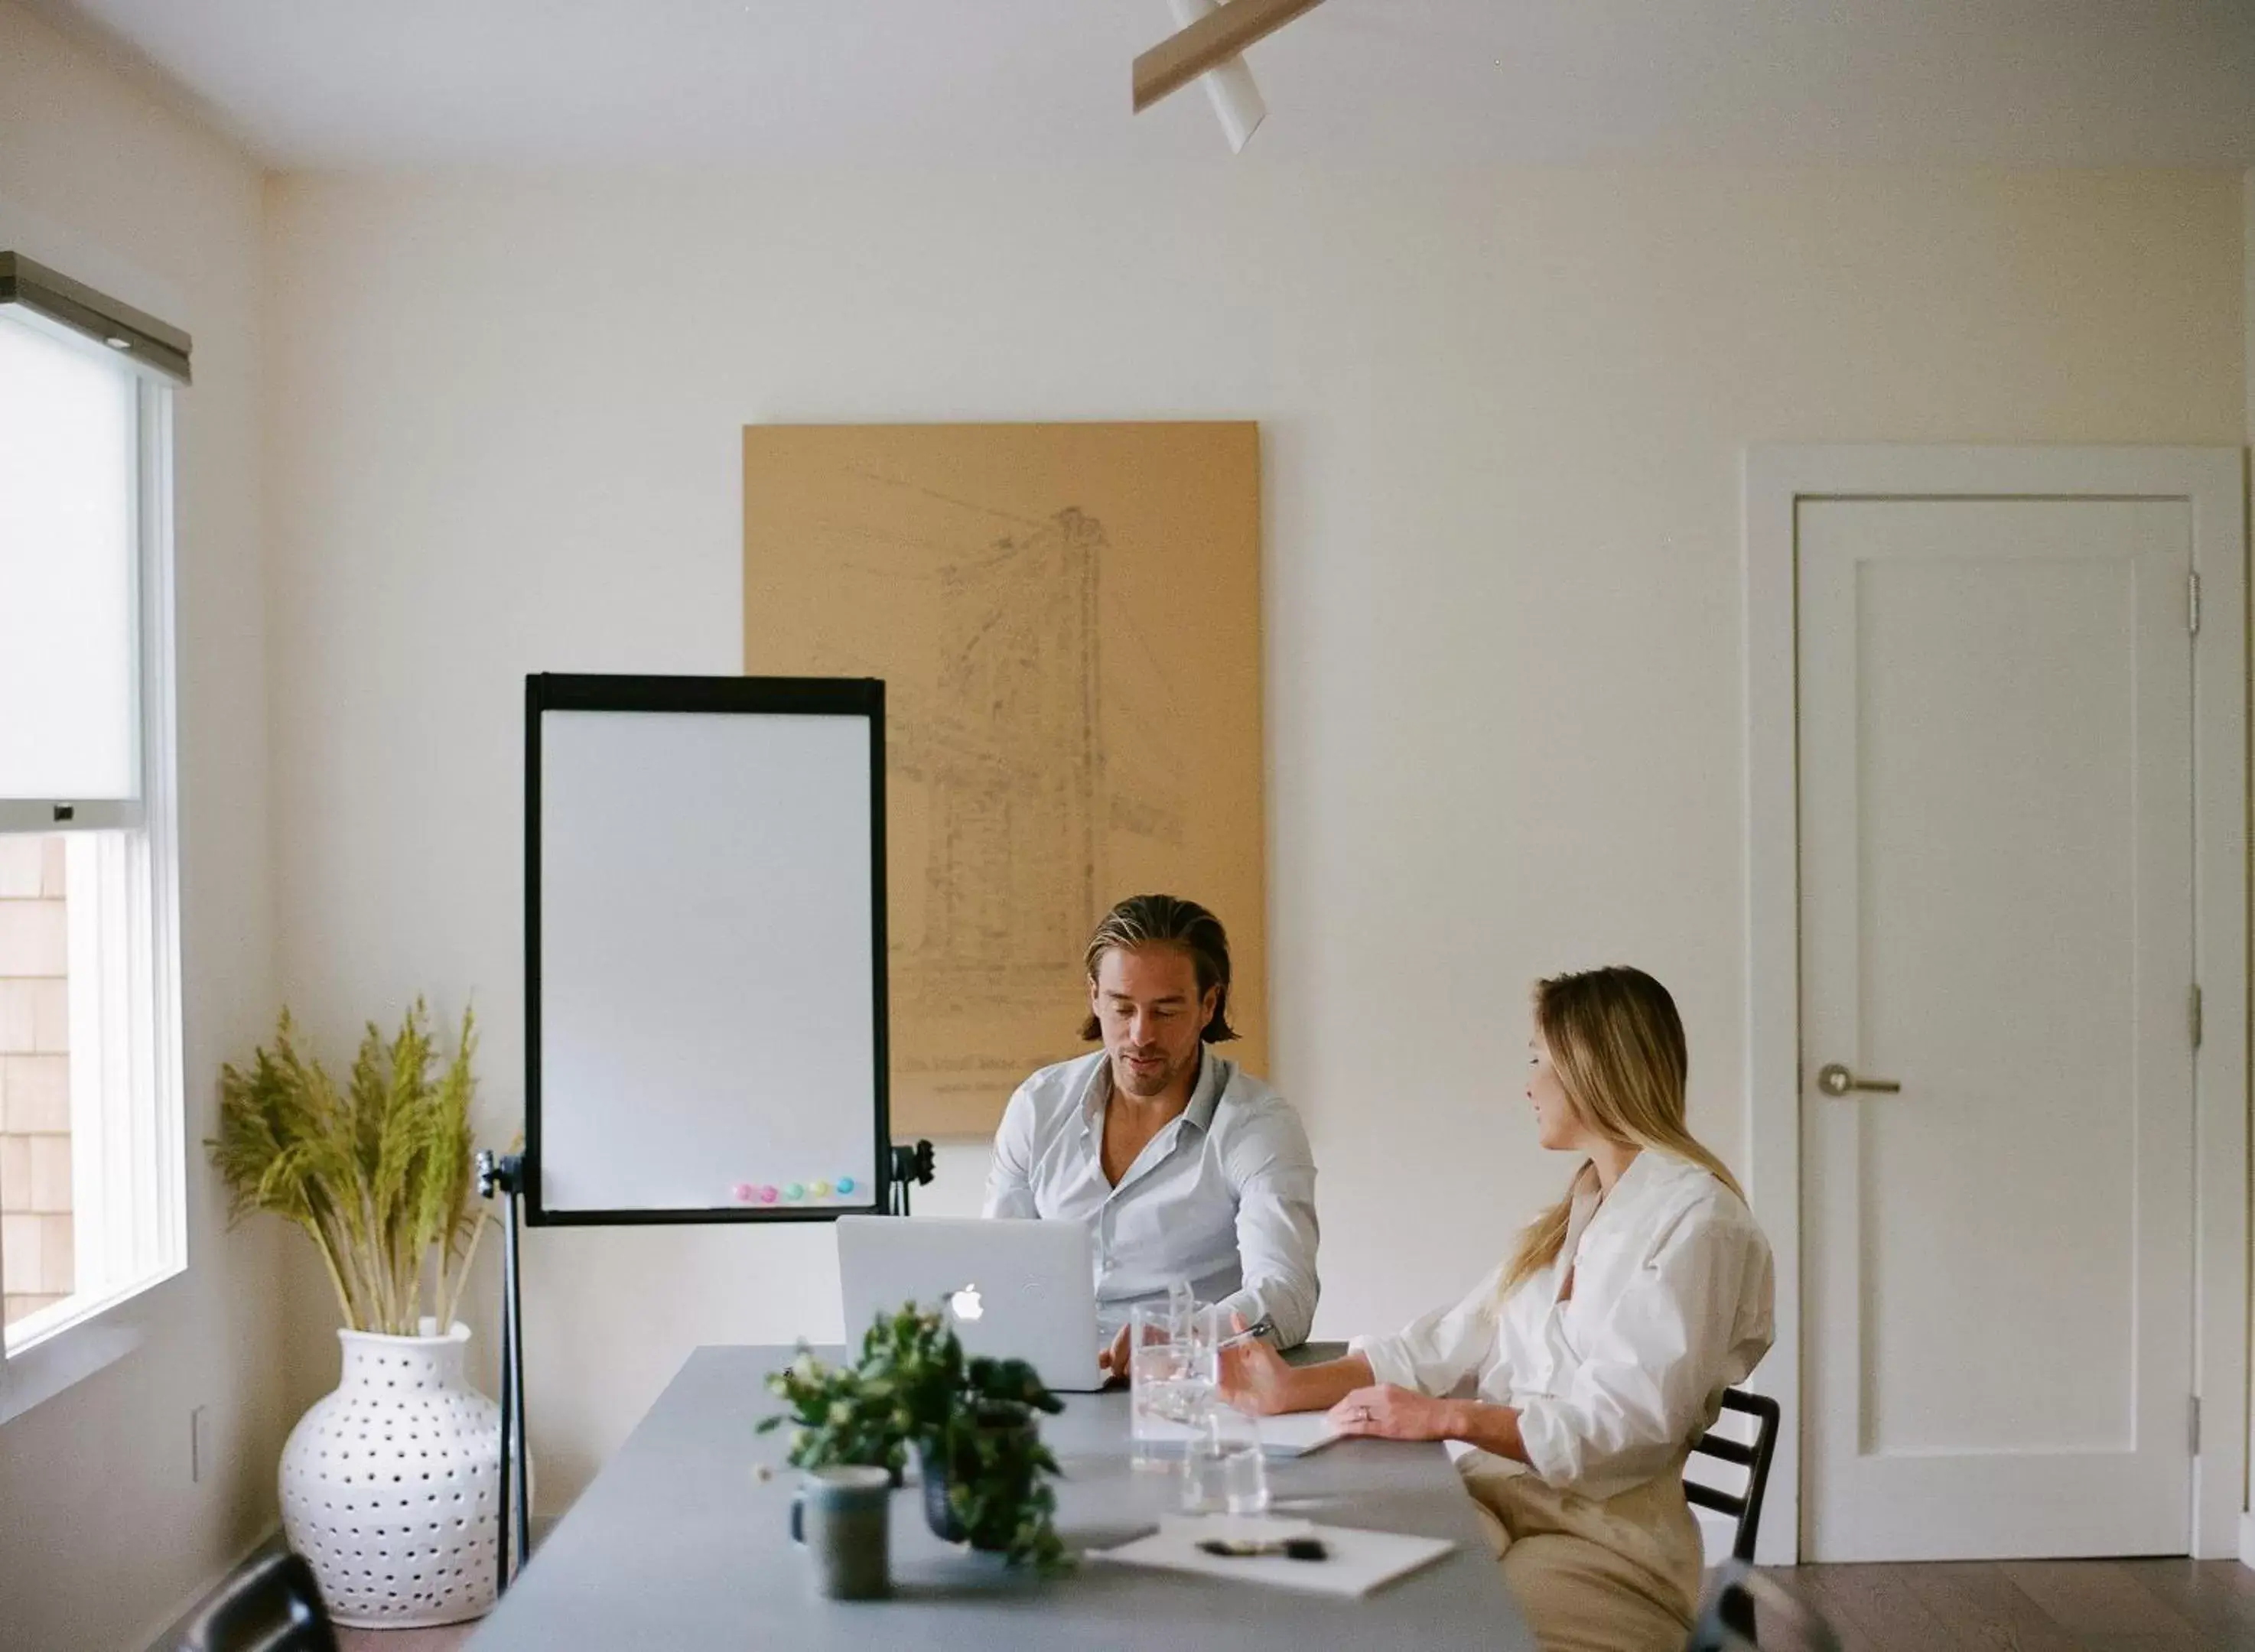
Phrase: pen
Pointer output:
(1260, 1327)
(1290, 1548)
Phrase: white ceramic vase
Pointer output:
(392, 1485)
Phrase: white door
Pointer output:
(1996, 793)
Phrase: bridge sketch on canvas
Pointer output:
(1066, 618)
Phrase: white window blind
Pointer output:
(70, 658)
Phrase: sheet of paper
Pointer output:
(1295, 1434)
(1359, 1561)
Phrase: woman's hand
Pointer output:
(1388, 1413)
(1253, 1377)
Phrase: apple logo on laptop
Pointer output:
(965, 1303)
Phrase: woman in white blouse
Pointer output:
(1582, 1370)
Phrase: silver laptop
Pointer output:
(1010, 1289)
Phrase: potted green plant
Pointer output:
(969, 1422)
(378, 1172)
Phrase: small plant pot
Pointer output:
(939, 1479)
(938, 1512)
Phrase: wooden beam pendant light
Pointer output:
(1207, 44)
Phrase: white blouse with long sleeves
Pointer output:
(1673, 1301)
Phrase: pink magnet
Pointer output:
(741, 1193)
(767, 1196)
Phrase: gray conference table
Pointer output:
(678, 1544)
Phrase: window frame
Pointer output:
(75, 1337)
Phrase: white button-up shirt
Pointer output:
(1672, 1303)
(1225, 1196)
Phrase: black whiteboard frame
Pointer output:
(795, 696)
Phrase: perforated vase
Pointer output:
(392, 1485)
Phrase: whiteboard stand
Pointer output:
(912, 1165)
(505, 1175)
(705, 933)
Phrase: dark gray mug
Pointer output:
(842, 1516)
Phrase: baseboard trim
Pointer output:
(2247, 1538)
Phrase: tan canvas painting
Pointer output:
(1067, 620)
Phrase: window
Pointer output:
(91, 1166)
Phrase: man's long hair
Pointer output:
(1166, 920)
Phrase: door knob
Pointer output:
(1835, 1080)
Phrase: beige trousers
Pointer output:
(1620, 1575)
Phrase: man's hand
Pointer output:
(1113, 1362)
(1389, 1413)
(1253, 1376)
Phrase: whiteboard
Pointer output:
(704, 949)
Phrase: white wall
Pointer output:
(102, 1535)
(1502, 417)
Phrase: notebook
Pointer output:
(1294, 1434)
(1359, 1561)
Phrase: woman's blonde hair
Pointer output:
(1617, 1045)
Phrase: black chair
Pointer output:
(1727, 1621)
(271, 1605)
(1745, 1507)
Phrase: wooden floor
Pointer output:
(446, 1640)
(2013, 1605)
(2036, 1606)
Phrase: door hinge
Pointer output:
(2192, 1424)
(2192, 603)
(2192, 1015)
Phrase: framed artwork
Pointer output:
(1067, 621)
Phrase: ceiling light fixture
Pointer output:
(1229, 84)
(1208, 46)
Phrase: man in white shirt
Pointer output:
(1182, 1165)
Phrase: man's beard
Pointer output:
(1144, 1086)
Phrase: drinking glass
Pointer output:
(1199, 1375)
(1157, 1360)
(1223, 1470)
